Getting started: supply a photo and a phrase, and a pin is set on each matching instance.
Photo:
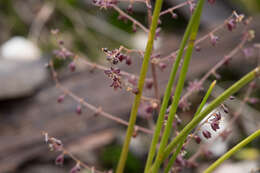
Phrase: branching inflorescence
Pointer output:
(167, 119)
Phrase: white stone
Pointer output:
(20, 48)
(139, 41)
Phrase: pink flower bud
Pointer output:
(79, 110)
(72, 66)
(162, 66)
(211, 1)
(60, 99)
(60, 159)
(149, 84)
(128, 60)
(76, 168)
(197, 139)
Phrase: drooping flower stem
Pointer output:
(232, 151)
(147, 55)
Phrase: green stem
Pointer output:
(166, 98)
(147, 55)
(202, 104)
(177, 151)
(215, 103)
(232, 151)
(180, 84)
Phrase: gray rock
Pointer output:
(20, 78)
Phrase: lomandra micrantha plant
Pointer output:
(164, 151)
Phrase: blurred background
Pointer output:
(28, 96)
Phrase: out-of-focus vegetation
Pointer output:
(74, 18)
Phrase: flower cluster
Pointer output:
(194, 86)
(115, 76)
(63, 53)
(115, 56)
(56, 145)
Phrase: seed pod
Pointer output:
(214, 125)
(197, 139)
(128, 60)
(60, 99)
(206, 134)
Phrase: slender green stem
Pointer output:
(177, 151)
(180, 84)
(166, 98)
(202, 104)
(215, 103)
(232, 151)
(147, 55)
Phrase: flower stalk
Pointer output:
(147, 55)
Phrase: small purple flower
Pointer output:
(130, 9)
(134, 27)
(180, 161)
(162, 66)
(114, 75)
(214, 125)
(72, 66)
(61, 99)
(213, 39)
(122, 18)
(149, 84)
(128, 60)
(197, 139)
(212, 1)
(206, 134)
(157, 32)
(231, 24)
(135, 91)
(225, 109)
(79, 110)
(192, 6)
(231, 97)
(60, 159)
(76, 168)
(197, 48)
(122, 57)
(195, 86)
(253, 100)
(174, 15)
